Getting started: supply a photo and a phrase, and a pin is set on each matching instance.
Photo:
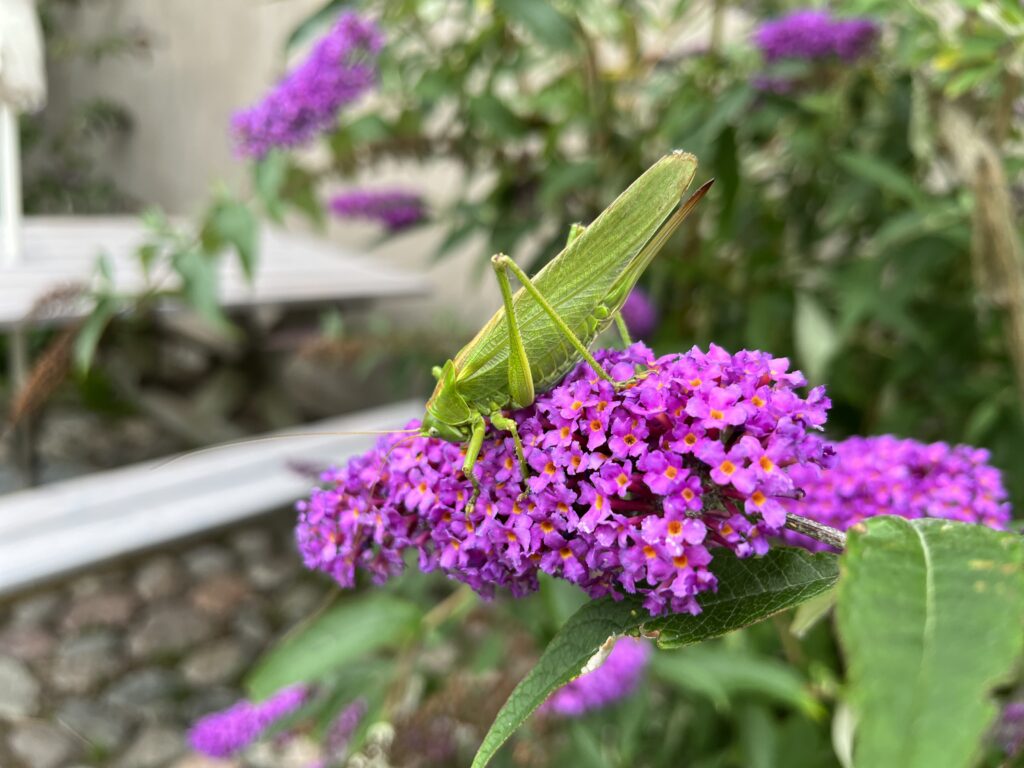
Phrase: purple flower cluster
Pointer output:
(615, 679)
(395, 209)
(224, 733)
(339, 69)
(629, 488)
(640, 314)
(886, 475)
(815, 34)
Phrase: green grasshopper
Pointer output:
(546, 327)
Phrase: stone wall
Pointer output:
(110, 667)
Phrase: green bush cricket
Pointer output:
(546, 327)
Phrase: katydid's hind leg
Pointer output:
(502, 264)
(520, 378)
(501, 421)
(476, 440)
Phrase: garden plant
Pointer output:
(720, 582)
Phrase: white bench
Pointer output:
(69, 525)
(293, 269)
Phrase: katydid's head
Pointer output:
(448, 414)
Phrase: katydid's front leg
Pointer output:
(476, 440)
(501, 421)
(503, 265)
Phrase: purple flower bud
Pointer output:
(616, 678)
(640, 314)
(224, 733)
(339, 69)
(814, 34)
(697, 454)
(886, 475)
(395, 209)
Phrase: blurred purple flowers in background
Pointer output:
(629, 490)
(615, 679)
(224, 733)
(885, 475)
(395, 209)
(1009, 729)
(339, 69)
(640, 314)
(815, 34)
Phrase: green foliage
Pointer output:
(749, 591)
(344, 635)
(931, 618)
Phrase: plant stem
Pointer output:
(817, 531)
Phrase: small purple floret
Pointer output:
(886, 475)
(615, 679)
(224, 733)
(629, 489)
(339, 69)
(815, 34)
(395, 209)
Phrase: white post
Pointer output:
(10, 188)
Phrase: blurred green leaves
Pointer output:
(343, 635)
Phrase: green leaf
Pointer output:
(199, 286)
(342, 635)
(727, 676)
(881, 174)
(89, 335)
(235, 224)
(748, 591)
(314, 24)
(815, 337)
(543, 21)
(269, 175)
(929, 615)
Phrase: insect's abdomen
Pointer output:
(549, 369)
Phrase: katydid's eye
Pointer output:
(433, 432)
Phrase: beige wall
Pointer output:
(208, 58)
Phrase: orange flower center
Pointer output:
(727, 467)
(671, 473)
(675, 528)
(565, 552)
(680, 562)
(766, 464)
(717, 414)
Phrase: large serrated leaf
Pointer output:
(749, 591)
(342, 635)
(930, 618)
